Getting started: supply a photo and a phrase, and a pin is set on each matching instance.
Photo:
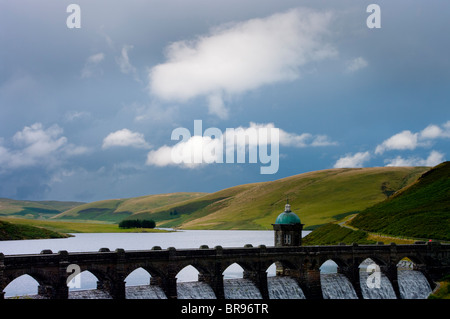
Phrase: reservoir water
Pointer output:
(413, 285)
(85, 242)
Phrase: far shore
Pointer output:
(78, 226)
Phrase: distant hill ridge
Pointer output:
(317, 197)
(34, 209)
(115, 210)
(399, 201)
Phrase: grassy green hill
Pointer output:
(317, 197)
(74, 226)
(11, 231)
(402, 201)
(332, 234)
(421, 210)
(115, 210)
(33, 209)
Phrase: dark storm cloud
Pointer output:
(74, 88)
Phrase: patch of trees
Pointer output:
(137, 223)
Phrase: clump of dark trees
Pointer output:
(137, 223)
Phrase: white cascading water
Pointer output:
(133, 292)
(336, 286)
(413, 284)
(384, 291)
(240, 289)
(195, 290)
(284, 288)
(89, 294)
(370, 289)
(145, 292)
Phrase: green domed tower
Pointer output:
(288, 228)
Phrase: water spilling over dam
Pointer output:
(413, 285)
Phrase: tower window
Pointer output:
(287, 238)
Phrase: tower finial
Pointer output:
(287, 208)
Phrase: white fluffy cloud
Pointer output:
(434, 131)
(405, 140)
(433, 159)
(125, 137)
(352, 161)
(236, 58)
(197, 150)
(408, 140)
(36, 145)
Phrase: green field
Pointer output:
(77, 226)
(317, 197)
(421, 210)
(332, 234)
(115, 210)
(16, 231)
(34, 209)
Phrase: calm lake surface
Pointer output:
(85, 242)
(138, 241)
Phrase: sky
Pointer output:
(96, 100)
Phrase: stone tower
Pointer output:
(288, 228)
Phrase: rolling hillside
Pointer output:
(12, 231)
(115, 210)
(317, 197)
(421, 210)
(399, 201)
(33, 209)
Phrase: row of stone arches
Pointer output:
(191, 286)
(28, 284)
